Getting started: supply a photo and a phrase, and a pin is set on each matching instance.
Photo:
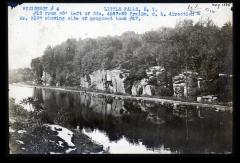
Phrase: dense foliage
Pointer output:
(202, 47)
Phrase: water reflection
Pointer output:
(140, 127)
(19, 93)
(123, 145)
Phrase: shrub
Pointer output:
(163, 91)
(16, 110)
(45, 117)
(194, 92)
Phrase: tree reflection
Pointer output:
(182, 129)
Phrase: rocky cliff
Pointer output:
(153, 84)
(46, 78)
(110, 80)
(185, 84)
(156, 82)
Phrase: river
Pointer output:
(135, 127)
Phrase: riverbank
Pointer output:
(29, 134)
(138, 98)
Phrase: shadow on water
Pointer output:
(181, 129)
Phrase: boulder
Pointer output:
(199, 99)
(207, 99)
(147, 90)
(57, 84)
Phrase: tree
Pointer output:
(37, 68)
(187, 46)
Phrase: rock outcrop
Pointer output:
(85, 81)
(151, 85)
(185, 84)
(110, 80)
(142, 87)
(113, 81)
(156, 82)
(46, 78)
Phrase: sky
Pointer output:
(28, 39)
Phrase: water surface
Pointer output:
(130, 126)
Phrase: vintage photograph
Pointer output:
(120, 78)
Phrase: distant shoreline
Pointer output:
(152, 99)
